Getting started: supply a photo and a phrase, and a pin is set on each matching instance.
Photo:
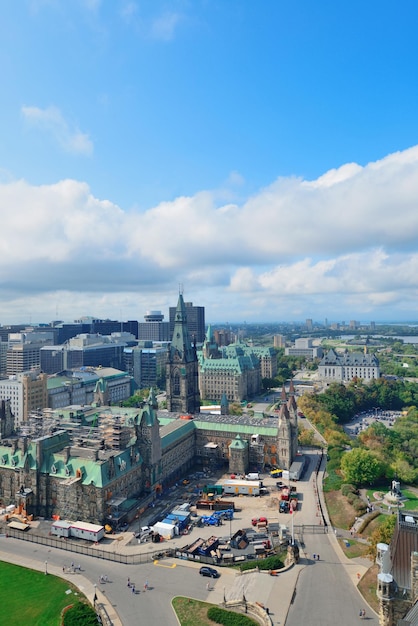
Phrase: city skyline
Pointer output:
(264, 158)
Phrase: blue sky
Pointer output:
(262, 154)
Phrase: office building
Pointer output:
(195, 321)
(304, 347)
(154, 328)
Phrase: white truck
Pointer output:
(242, 487)
(297, 468)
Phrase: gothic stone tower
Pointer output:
(182, 367)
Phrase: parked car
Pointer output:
(209, 571)
(280, 485)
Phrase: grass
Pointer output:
(192, 612)
(367, 587)
(341, 512)
(355, 549)
(30, 597)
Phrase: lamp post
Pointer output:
(46, 568)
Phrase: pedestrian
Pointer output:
(145, 585)
(317, 557)
(79, 567)
(105, 578)
(133, 588)
(129, 582)
(63, 569)
(314, 556)
(363, 613)
(72, 565)
(208, 586)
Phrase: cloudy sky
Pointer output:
(261, 155)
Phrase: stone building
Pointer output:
(182, 374)
(397, 580)
(99, 463)
(335, 367)
(103, 464)
(234, 370)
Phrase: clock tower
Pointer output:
(182, 367)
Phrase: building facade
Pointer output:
(397, 579)
(234, 370)
(304, 347)
(335, 367)
(182, 372)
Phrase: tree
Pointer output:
(361, 467)
(381, 534)
(306, 436)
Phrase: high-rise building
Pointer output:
(195, 321)
(149, 365)
(154, 328)
(24, 352)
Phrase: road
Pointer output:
(154, 604)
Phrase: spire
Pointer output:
(152, 399)
(224, 404)
(283, 396)
(291, 388)
(180, 342)
(209, 334)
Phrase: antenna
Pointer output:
(181, 290)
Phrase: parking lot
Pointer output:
(363, 420)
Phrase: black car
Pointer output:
(209, 571)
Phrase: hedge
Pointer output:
(229, 618)
(80, 614)
(271, 562)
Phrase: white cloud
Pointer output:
(51, 120)
(344, 245)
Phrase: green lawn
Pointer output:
(191, 612)
(30, 597)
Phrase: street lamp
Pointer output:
(46, 568)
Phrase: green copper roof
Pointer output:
(180, 342)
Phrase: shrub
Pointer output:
(228, 618)
(348, 488)
(80, 614)
(271, 562)
(359, 505)
(367, 521)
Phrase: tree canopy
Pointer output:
(361, 467)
